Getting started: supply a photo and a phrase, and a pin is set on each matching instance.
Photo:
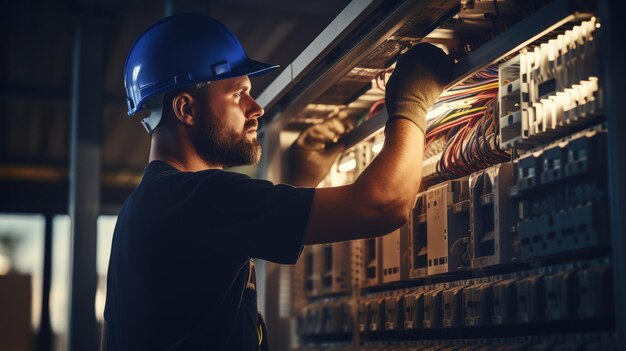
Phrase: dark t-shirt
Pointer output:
(180, 259)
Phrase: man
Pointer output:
(180, 276)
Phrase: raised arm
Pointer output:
(381, 198)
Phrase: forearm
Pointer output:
(379, 201)
(395, 174)
(381, 198)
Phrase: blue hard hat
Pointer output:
(183, 50)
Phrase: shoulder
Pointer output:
(217, 183)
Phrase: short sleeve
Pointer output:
(265, 220)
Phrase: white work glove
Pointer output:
(419, 78)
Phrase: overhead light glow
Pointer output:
(378, 146)
(5, 265)
(347, 166)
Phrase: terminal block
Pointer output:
(586, 154)
(510, 114)
(336, 269)
(414, 310)
(336, 317)
(530, 299)
(493, 216)
(529, 168)
(419, 238)
(561, 295)
(478, 304)
(396, 255)
(453, 307)
(311, 321)
(448, 226)
(394, 312)
(595, 292)
(553, 161)
(504, 302)
(550, 87)
(362, 319)
(570, 229)
(564, 206)
(309, 276)
(347, 320)
(433, 308)
(371, 262)
(376, 314)
(327, 269)
(313, 268)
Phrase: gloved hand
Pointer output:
(419, 78)
(315, 150)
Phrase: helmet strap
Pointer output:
(156, 111)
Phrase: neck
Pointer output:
(175, 148)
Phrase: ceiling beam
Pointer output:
(323, 9)
(14, 91)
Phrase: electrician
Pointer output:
(180, 274)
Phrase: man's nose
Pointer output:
(255, 110)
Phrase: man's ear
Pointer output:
(185, 108)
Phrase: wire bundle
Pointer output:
(468, 126)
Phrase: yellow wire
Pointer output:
(466, 112)
(470, 90)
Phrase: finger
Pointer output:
(325, 131)
(336, 126)
(348, 123)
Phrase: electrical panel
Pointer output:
(508, 244)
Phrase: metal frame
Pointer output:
(612, 49)
(339, 28)
(84, 194)
(371, 26)
(44, 336)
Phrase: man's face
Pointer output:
(227, 131)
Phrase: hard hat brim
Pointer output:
(253, 68)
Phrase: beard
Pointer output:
(218, 144)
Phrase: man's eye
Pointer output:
(238, 94)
